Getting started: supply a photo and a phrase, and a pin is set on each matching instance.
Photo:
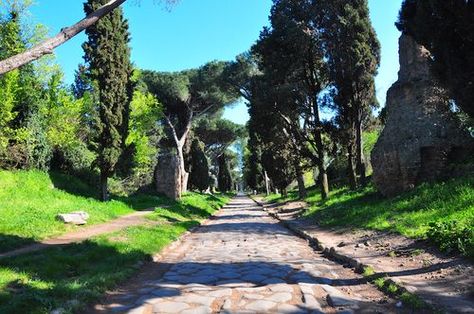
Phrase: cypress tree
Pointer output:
(353, 52)
(108, 56)
(224, 180)
(199, 176)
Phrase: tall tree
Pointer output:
(199, 168)
(108, 56)
(353, 54)
(217, 134)
(224, 178)
(446, 29)
(22, 93)
(187, 96)
(290, 55)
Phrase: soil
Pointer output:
(441, 280)
(84, 233)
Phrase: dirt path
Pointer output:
(244, 261)
(443, 281)
(137, 218)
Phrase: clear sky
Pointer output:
(197, 31)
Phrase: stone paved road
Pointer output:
(243, 261)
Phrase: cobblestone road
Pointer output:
(243, 261)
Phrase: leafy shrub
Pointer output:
(452, 237)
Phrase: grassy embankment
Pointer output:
(442, 212)
(68, 277)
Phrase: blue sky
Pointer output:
(197, 31)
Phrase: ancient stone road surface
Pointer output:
(243, 261)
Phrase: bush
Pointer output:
(452, 237)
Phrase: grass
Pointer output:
(409, 300)
(409, 214)
(30, 201)
(71, 276)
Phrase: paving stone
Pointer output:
(254, 278)
(282, 288)
(280, 297)
(164, 293)
(240, 260)
(220, 293)
(228, 275)
(336, 298)
(260, 306)
(137, 310)
(253, 296)
(120, 308)
(290, 309)
(311, 303)
(273, 281)
(196, 299)
(170, 307)
(234, 284)
(198, 310)
(227, 305)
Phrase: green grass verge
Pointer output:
(69, 277)
(413, 214)
(30, 201)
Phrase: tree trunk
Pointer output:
(323, 176)
(323, 180)
(47, 46)
(301, 188)
(361, 167)
(351, 171)
(183, 174)
(104, 193)
(267, 184)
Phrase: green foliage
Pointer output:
(145, 112)
(253, 170)
(108, 56)
(224, 179)
(23, 141)
(446, 29)
(9, 85)
(218, 134)
(199, 167)
(369, 140)
(452, 236)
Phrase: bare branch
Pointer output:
(173, 129)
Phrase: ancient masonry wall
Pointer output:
(420, 132)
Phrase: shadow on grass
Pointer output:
(60, 276)
(415, 209)
(12, 242)
(55, 277)
(75, 186)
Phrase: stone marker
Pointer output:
(74, 218)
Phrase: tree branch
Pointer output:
(47, 46)
(173, 130)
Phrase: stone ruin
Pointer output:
(167, 176)
(421, 133)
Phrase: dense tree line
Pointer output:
(114, 120)
(316, 56)
(308, 82)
